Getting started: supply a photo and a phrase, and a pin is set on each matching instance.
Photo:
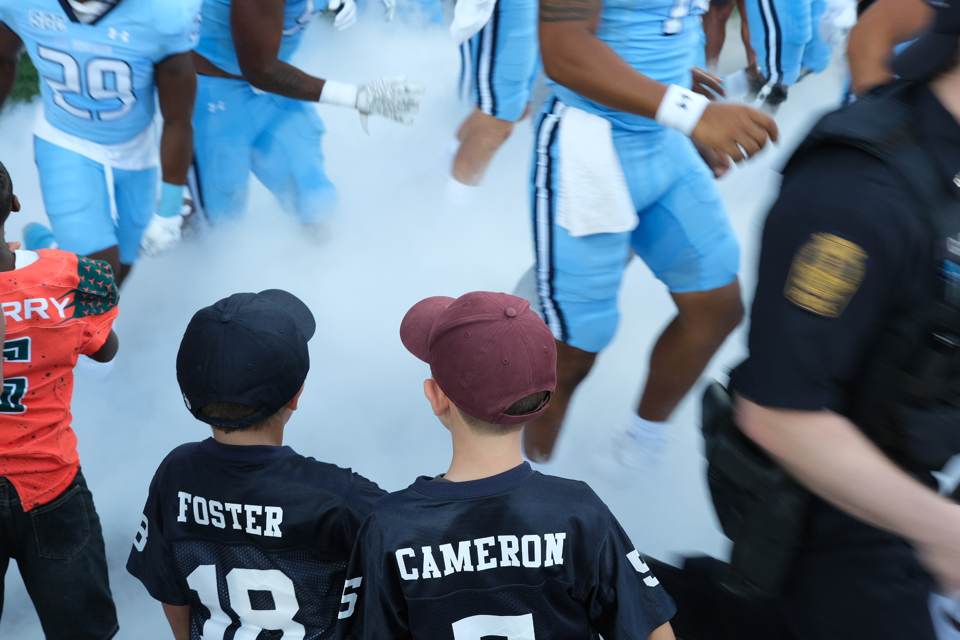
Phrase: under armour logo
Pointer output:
(684, 102)
(213, 107)
(122, 36)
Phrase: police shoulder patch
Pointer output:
(826, 273)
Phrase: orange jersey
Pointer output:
(56, 309)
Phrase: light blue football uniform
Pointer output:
(499, 64)
(682, 234)
(216, 36)
(786, 37)
(99, 104)
(239, 130)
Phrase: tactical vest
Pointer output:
(907, 396)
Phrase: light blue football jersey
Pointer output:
(97, 79)
(658, 38)
(216, 36)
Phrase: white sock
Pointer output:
(646, 426)
(458, 193)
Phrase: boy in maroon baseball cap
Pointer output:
(493, 548)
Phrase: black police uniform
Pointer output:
(844, 251)
(519, 555)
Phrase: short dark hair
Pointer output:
(6, 194)
(521, 407)
(231, 411)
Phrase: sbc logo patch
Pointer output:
(826, 272)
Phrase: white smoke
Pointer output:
(394, 241)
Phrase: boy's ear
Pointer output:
(294, 403)
(436, 397)
(15, 204)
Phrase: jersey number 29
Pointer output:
(104, 79)
(241, 584)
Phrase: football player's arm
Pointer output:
(878, 31)
(257, 31)
(176, 91)
(179, 618)
(574, 57)
(10, 48)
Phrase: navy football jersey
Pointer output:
(255, 539)
(518, 556)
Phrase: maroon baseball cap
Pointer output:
(486, 351)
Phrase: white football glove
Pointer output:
(390, 9)
(346, 11)
(392, 98)
(164, 233)
(161, 235)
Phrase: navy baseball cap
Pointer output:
(248, 349)
(935, 51)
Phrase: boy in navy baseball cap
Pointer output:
(492, 548)
(239, 531)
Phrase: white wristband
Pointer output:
(341, 94)
(681, 109)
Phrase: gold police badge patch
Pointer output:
(826, 272)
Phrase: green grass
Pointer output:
(26, 87)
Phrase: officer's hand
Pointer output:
(736, 131)
(941, 557)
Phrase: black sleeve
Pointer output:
(838, 245)
(362, 495)
(373, 601)
(626, 601)
(151, 560)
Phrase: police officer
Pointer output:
(851, 390)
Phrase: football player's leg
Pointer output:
(79, 202)
(715, 29)
(816, 55)
(288, 159)
(779, 32)
(686, 240)
(578, 281)
(136, 198)
(63, 563)
(503, 63)
(223, 131)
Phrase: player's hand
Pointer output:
(718, 162)
(164, 233)
(346, 13)
(707, 84)
(392, 98)
(390, 9)
(735, 131)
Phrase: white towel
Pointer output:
(469, 17)
(592, 196)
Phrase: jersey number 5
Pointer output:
(495, 628)
(249, 620)
(104, 79)
(11, 397)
